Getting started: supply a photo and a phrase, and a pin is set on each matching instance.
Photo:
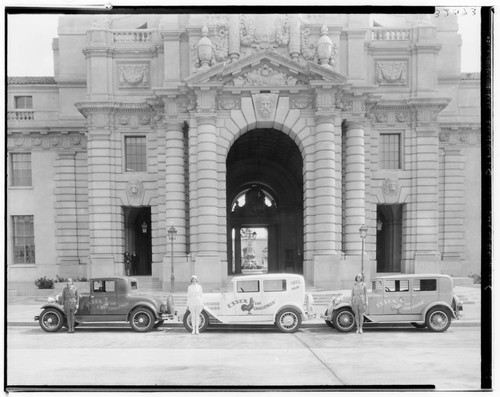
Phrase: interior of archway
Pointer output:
(265, 204)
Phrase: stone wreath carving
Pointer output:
(133, 76)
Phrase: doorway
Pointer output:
(264, 204)
(137, 223)
(389, 238)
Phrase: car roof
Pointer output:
(411, 276)
(266, 276)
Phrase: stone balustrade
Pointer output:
(132, 36)
(20, 115)
(392, 34)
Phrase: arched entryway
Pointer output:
(265, 204)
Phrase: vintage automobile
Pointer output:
(258, 299)
(423, 300)
(111, 299)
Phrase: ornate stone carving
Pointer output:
(134, 190)
(221, 41)
(381, 117)
(325, 101)
(133, 76)
(402, 117)
(19, 141)
(228, 103)
(307, 49)
(123, 119)
(391, 73)
(325, 49)
(301, 102)
(205, 50)
(265, 104)
(265, 76)
(76, 140)
(55, 141)
(264, 32)
(37, 141)
(144, 119)
(390, 188)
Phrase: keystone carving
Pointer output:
(265, 104)
(134, 190)
(391, 189)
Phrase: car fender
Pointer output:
(53, 306)
(290, 305)
(146, 305)
(341, 305)
(435, 304)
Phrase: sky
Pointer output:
(29, 45)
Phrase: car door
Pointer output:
(103, 298)
(397, 297)
(376, 298)
(424, 291)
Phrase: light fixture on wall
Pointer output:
(144, 227)
(380, 224)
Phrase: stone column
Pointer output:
(234, 37)
(324, 186)
(354, 174)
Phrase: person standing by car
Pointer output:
(127, 261)
(195, 303)
(359, 301)
(70, 300)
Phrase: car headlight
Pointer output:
(163, 308)
(51, 299)
(336, 300)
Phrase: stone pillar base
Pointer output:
(428, 263)
(183, 271)
(333, 272)
(104, 266)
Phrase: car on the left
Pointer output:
(110, 300)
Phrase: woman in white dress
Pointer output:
(195, 303)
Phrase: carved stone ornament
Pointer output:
(123, 119)
(76, 140)
(144, 119)
(391, 73)
(301, 102)
(265, 76)
(36, 141)
(264, 32)
(19, 141)
(133, 76)
(55, 141)
(402, 117)
(134, 190)
(391, 188)
(265, 104)
(307, 49)
(220, 41)
(228, 103)
(381, 117)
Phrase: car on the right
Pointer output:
(423, 300)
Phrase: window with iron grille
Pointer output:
(24, 102)
(23, 238)
(390, 151)
(135, 154)
(21, 169)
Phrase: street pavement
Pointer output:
(402, 357)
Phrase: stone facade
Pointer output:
(325, 87)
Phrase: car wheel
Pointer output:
(142, 320)
(188, 323)
(438, 319)
(343, 320)
(51, 320)
(417, 325)
(158, 324)
(288, 320)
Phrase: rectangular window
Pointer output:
(248, 286)
(21, 169)
(23, 237)
(274, 285)
(397, 285)
(425, 285)
(104, 286)
(24, 102)
(135, 153)
(390, 151)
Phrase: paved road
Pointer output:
(241, 357)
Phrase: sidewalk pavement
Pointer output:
(21, 310)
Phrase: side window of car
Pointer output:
(274, 285)
(98, 286)
(425, 285)
(397, 286)
(248, 286)
(109, 286)
(104, 286)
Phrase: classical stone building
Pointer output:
(265, 141)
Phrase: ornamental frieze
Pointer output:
(47, 141)
(391, 73)
(228, 103)
(265, 76)
(133, 76)
(460, 137)
(301, 102)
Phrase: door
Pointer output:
(138, 241)
(389, 238)
(397, 297)
(103, 298)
